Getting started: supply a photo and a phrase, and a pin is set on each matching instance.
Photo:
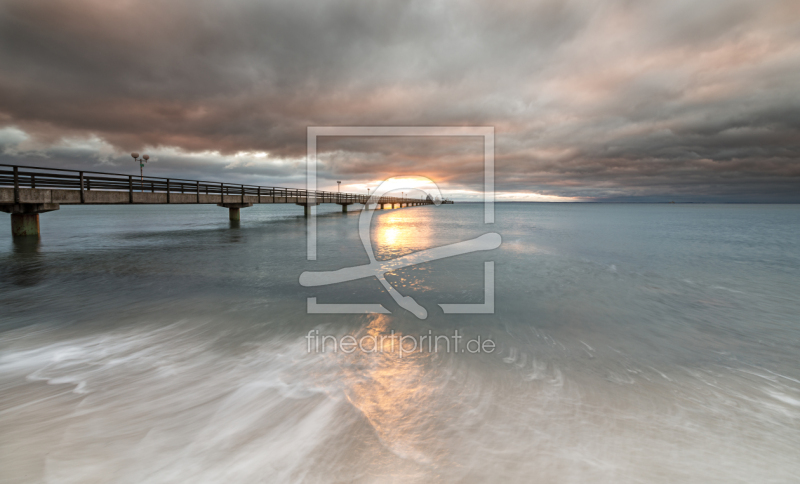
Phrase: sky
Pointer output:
(619, 101)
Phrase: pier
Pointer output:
(27, 191)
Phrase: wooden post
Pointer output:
(82, 196)
(259, 194)
(33, 180)
(130, 189)
(242, 193)
(198, 192)
(167, 190)
(222, 192)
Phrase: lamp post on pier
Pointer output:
(141, 161)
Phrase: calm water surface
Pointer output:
(634, 343)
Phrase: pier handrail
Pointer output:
(24, 176)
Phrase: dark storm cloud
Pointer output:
(616, 100)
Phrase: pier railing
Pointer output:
(57, 178)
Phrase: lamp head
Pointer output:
(135, 155)
(146, 157)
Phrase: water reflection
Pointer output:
(389, 235)
(26, 267)
(234, 235)
(401, 232)
(392, 390)
(26, 245)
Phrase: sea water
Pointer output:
(630, 343)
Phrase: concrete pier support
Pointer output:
(233, 209)
(25, 217)
(344, 207)
(23, 224)
(307, 207)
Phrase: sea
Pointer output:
(605, 343)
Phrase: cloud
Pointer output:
(616, 100)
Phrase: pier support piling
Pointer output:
(307, 207)
(23, 224)
(25, 217)
(233, 209)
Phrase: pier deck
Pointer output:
(27, 191)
